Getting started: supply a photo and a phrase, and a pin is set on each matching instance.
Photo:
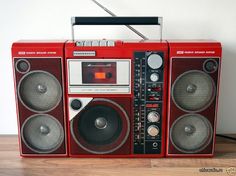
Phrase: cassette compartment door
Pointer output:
(94, 76)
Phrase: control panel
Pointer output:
(148, 91)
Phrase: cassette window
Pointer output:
(99, 73)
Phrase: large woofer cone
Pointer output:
(191, 133)
(42, 133)
(39, 91)
(193, 91)
(102, 127)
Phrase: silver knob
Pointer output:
(155, 61)
(153, 130)
(154, 77)
(153, 116)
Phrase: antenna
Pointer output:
(128, 26)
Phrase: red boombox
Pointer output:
(106, 98)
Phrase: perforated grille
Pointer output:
(193, 91)
(39, 91)
(191, 133)
(42, 133)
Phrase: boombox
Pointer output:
(116, 98)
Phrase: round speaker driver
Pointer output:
(193, 91)
(191, 133)
(39, 91)
(101, 128)
(22, 66)
(42, 133)
(100, 125)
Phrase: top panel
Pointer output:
(27, 48)
(198, 48)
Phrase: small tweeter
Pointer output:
(22, 66)
(210, 66)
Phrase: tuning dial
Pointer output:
(155, 61)
(153, 116)
(153, 130)
(154, 77)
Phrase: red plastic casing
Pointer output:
(121, 50)
(194, 52)
(47, 56)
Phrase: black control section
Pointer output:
(148, 91)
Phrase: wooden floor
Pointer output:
(11, 164)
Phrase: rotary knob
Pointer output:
(154, 77)
(153, 116)
(153, 130)
(155, 61)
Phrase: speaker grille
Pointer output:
(191, 133)
(42, 133)
(39, 91)
(193, 91)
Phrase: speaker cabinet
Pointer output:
(39, 89)
(193, 92)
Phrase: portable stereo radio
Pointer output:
(114, 98)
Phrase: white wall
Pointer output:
(183, 19)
